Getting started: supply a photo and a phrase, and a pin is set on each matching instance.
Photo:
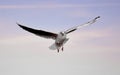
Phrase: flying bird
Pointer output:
(60, 38)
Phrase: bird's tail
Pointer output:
(53, 47)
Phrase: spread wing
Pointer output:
(79, 26)
(41, 33)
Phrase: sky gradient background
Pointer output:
(92, 50)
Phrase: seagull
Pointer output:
(59, 38)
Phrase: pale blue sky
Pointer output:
(92, 50)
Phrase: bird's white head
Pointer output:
(62, 33)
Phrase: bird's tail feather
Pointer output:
(53, 47)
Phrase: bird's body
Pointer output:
(60, 38)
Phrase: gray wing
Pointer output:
(41, 33)
(79, 26)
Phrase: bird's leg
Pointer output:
(62, 48)
(58, 50)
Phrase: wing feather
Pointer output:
(41, 33)
(79, 26)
